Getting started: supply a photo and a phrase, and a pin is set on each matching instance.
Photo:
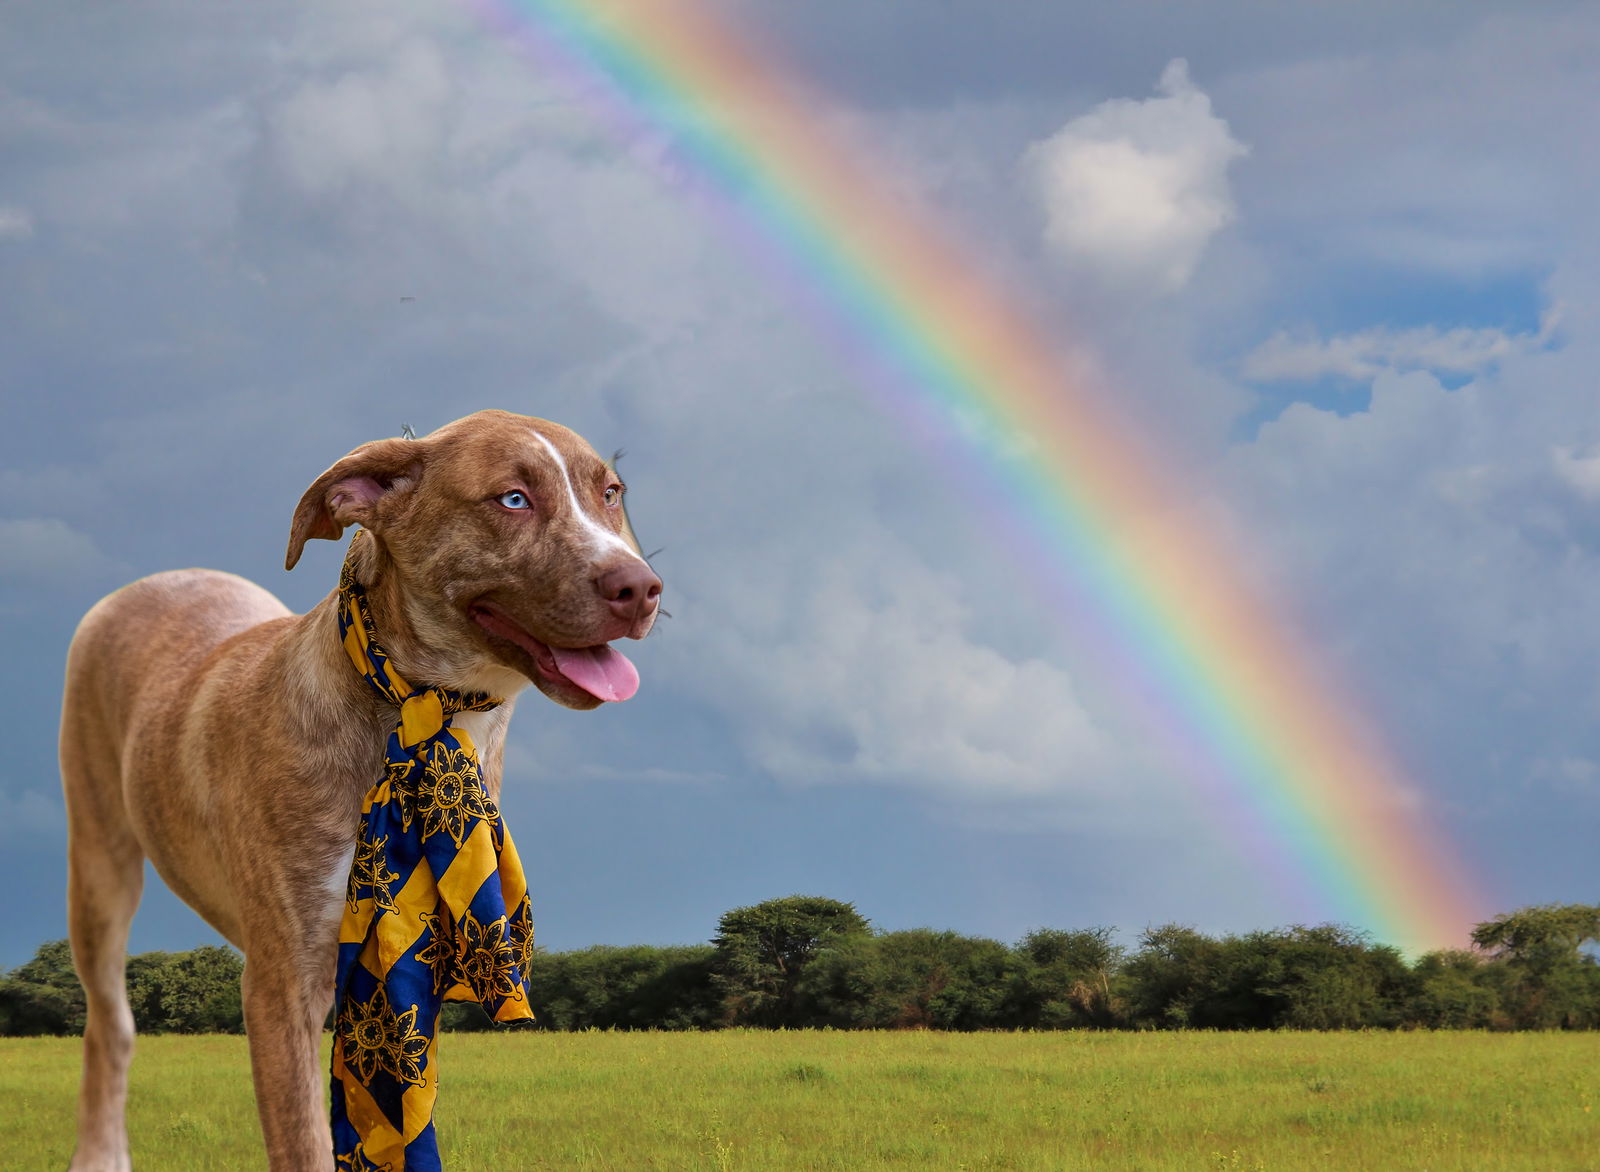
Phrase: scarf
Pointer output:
(436, 910)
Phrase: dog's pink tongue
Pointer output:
(600, 671)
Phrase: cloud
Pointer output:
(380, 124)
(1449, 554)
(452, 171)
(43, 550)
(1383, 159)
(1287, 357)
(15, 223)
(1578, 469)
(649, 774)
(1575, 777)
(31, 815)
(1135, 190)
(862, 669)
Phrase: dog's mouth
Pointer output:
(601, 671)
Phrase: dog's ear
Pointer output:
(348, 493)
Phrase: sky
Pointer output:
(1338, 263)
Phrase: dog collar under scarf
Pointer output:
(436, 910)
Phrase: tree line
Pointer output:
(807, 962)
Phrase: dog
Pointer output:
(230, 742)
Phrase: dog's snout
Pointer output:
(631, 591)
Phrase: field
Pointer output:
(752, 1100)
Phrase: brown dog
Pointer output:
(230, 742)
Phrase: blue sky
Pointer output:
(1344, 258)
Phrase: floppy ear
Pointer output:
(348, 493)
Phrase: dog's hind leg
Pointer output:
(105, 875)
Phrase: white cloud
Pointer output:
(1384, 158)
(1361, 356)
(384, 123)
(1579, 470)
(1449, 553)
(1575, 777)
(31, 815)
(459, 172)
(43, 550)
(861, 669)
(1135, 190)
(15, 223)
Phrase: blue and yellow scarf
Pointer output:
(436, 910)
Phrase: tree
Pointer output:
(43, 996)
(1552, 982)
(200, 992)
(146, 975)
(1539, 936)
(1066, 979)
(1454, 990)
(761, 951)
(1330, 977)
(639, 987)
(186, 992)
(194, 992)
(1323, 977)
(942, 981)
(1169, 976)
(917, 979)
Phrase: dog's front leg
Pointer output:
(286, 999)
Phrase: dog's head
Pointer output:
(502, 549)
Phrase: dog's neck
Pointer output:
(337, 710)
(441, 661)
(415, 659)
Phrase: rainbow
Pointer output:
(1288, 762)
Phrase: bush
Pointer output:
(1454, 990)
(807, 961)
(43, 996)
(638, 987)
(1065, 980)
(919, 979)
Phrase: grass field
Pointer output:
(753, 1100)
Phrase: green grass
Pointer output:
(753, 1100)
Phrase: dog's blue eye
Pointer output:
(514, 500)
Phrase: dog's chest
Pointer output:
(485, 728)
(333, 888)
(486, 731)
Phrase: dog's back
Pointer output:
(138, 649)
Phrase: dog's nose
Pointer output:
(631, 591)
